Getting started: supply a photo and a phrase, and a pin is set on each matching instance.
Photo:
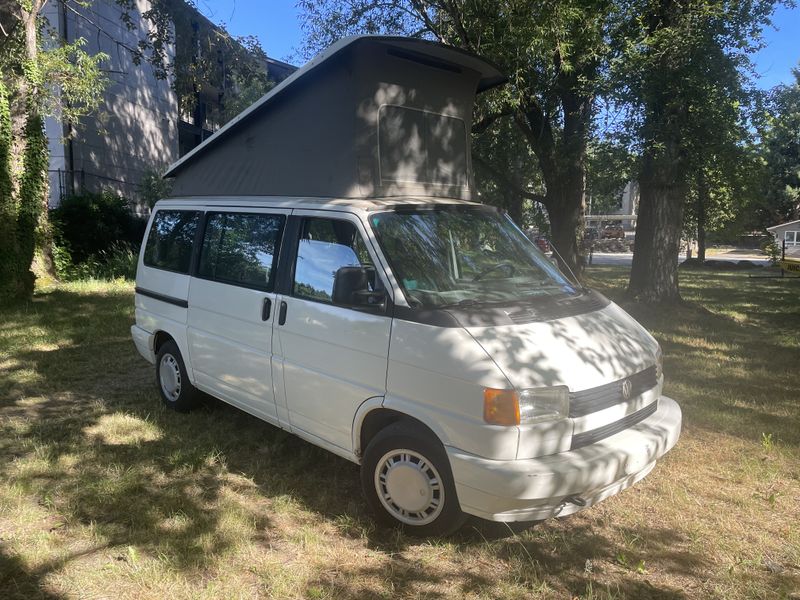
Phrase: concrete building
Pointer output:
(139, 128)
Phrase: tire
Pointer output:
(422, 462)
(173, 383)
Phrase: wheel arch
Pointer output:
(160, 338)
(373, 418)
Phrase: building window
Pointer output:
(792, 238)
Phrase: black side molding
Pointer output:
(162, 297)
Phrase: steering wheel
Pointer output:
(502, 265)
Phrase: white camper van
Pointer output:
(420, 335)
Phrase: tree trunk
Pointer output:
(42, 235)
(562, 160)
(702, 203)
(654, 274)
(8, 210)
(32, 226)
(565, 203)
(513, 200)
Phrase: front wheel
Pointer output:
(407, 480)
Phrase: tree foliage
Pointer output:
(8, 209)
(198, 54)
(610, 167)
(780, 139)
(47, 76)
(553, 54)
(683, 70)
(32, 190)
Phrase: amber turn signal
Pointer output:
(500, 407)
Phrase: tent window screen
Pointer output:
(416, 146)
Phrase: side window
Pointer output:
(170, 241)
(241, 249)
(325, 246)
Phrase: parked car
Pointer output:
(542, 243)
(613, 231)
(427, 342)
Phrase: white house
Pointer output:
(786, 232)
(787, 236)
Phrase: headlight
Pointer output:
(659, 363)
(509, 407)
(542, 404)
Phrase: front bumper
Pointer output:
(564, 483)
(144, 341)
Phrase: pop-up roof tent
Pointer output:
(369, 117)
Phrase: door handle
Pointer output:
(282, 313)
(266, 309)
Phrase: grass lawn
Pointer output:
(103, 493)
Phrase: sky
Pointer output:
(277, 25)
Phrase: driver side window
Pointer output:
(325, 246)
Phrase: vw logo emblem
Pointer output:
(627, 388)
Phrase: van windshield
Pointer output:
(464, 256)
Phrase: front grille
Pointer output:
(589, 401)
(595, 435)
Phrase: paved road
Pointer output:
(626, 258)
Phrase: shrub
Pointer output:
(153, 187)
(118, 261)
(86, 225)
(772, 250)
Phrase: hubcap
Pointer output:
(409, 487)
(169, 375)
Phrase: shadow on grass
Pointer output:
(188, 488)
(732, 347)
(19, 583)
(567, 565)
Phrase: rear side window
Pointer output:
(241, 249)
(170, 241)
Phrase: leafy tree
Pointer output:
(682, 69)
(780, 147)
(553, 54)
(198, 54)
(63, 80)
(506, 173)
(610, 167)
(42, 80)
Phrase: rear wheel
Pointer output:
(176, 390)
(407, 480)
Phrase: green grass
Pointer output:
(103, 492)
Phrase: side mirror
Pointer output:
(354, 287)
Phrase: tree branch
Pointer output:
(422, 11)
(503, 181)
(488, 120)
